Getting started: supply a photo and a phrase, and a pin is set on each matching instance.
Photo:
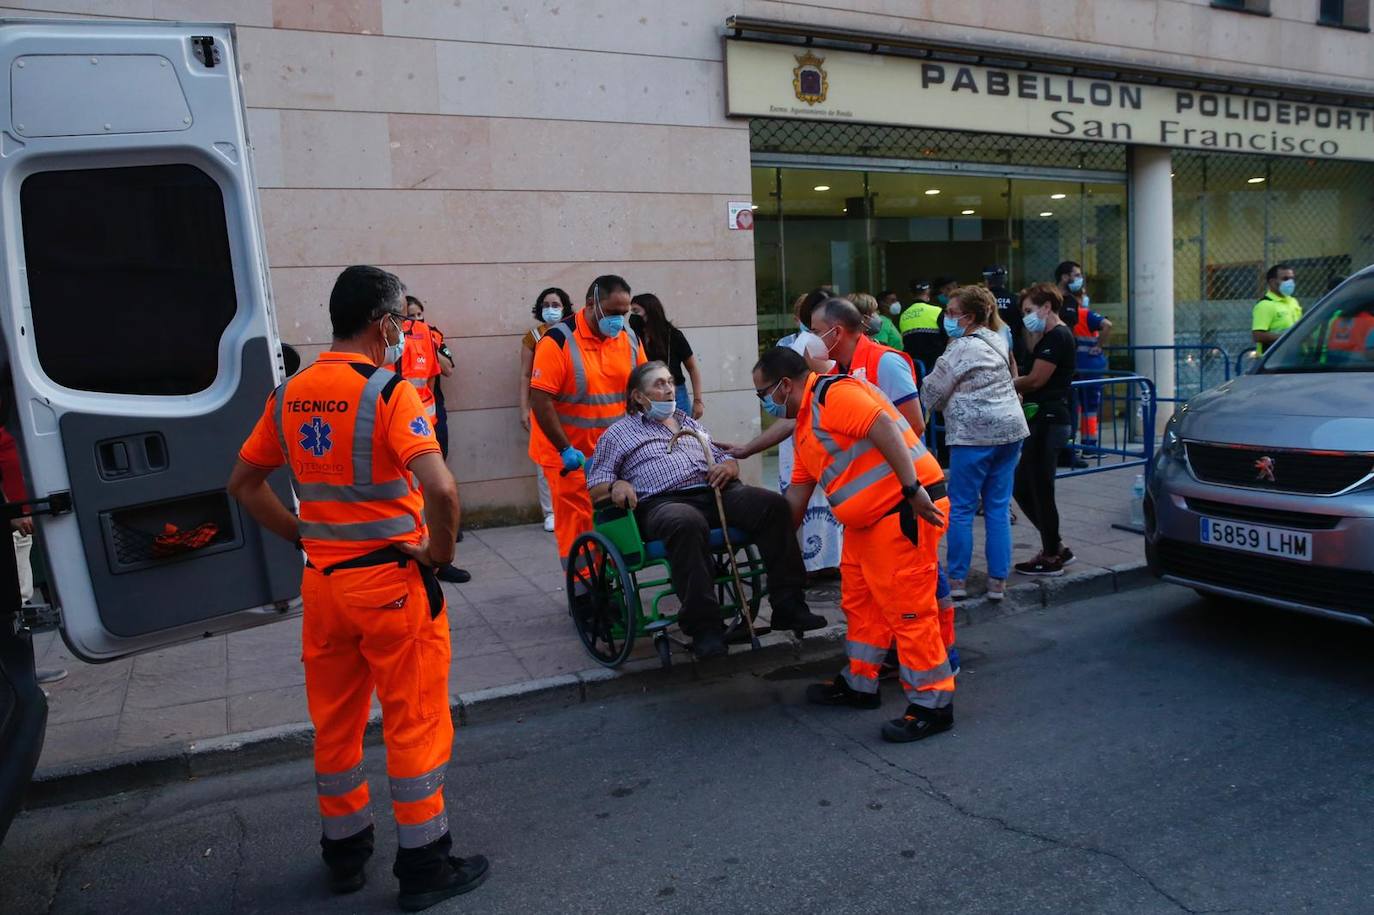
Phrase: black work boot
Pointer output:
(839, 692)
(797, 619)
(429, 874)
(347, 860)
(709, 643)
(918, 723)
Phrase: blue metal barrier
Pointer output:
(1127, 430)
(1196, 366)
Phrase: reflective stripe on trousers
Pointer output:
(417, 787)
(414, 835)
(350, 824)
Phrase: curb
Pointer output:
(235, 752)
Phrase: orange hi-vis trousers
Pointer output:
(572, 507)
(366, 629)
(887, 592)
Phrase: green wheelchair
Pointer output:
(617, 584)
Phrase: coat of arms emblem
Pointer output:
(809, 80)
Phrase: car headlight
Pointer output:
(1172, 445)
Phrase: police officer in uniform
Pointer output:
(923, 337)
(1008, 309)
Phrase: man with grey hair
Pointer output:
(670, 493)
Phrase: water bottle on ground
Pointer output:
(1138, 501)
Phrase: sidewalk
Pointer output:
(510, 629)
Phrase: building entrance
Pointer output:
(857, 229)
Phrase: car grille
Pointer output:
(1309, 472)
(1302, 521)
(1317, 586)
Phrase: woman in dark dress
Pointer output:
(665, 343)
(1045, 388)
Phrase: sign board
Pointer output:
(740, 215)
(788, 81)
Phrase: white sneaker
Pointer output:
(548, 523)
(958, 589)
(997, 588)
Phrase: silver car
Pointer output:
(1263, 488)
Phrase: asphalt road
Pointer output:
(1141, 753)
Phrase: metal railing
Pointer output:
(1197, 366)
(1127, 429)
(1126, 432)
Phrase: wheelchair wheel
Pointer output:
(602, 599)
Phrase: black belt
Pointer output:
(390, 555)
(936, 491)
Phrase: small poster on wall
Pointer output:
(741, 215)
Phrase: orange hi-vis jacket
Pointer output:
(832, 448)
(864, 363)
(346, 430)
(586, 374)
(420, 363)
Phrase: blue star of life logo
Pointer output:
(419, 426)
(315, 437)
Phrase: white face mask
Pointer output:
(394, 351)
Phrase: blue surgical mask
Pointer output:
(660, 409)
(552, 313)
(952, 327)
(1034, 322)
(942, 299)
(610, 325)
(894, 309)
(1287, 287)
(1075, 284)
(771, 406)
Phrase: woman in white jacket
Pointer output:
(984, 425)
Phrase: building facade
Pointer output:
(487, 149)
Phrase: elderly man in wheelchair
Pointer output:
(640, 466)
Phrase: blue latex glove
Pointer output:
(572, 459)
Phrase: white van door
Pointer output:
(138, 326)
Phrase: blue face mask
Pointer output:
(660, 409)
(1034, 323)
(953, 327)
(942, 299)
(1287, 287)
(772, 407)
(1075, 284)
(609, 325)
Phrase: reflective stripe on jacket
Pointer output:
(856, 478)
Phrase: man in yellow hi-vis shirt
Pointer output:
(1278, 310)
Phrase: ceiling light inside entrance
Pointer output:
(1058, 196)
(932, 192)
(1255, 180)
(821, 187)
(966, 212)
(1047, 213)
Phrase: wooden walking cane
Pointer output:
(724, 528)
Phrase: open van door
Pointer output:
(138, 324)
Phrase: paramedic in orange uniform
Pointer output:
(355, 438)
(422, 363)
(577, 390)
(889, 493)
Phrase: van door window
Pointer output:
(129, 277)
